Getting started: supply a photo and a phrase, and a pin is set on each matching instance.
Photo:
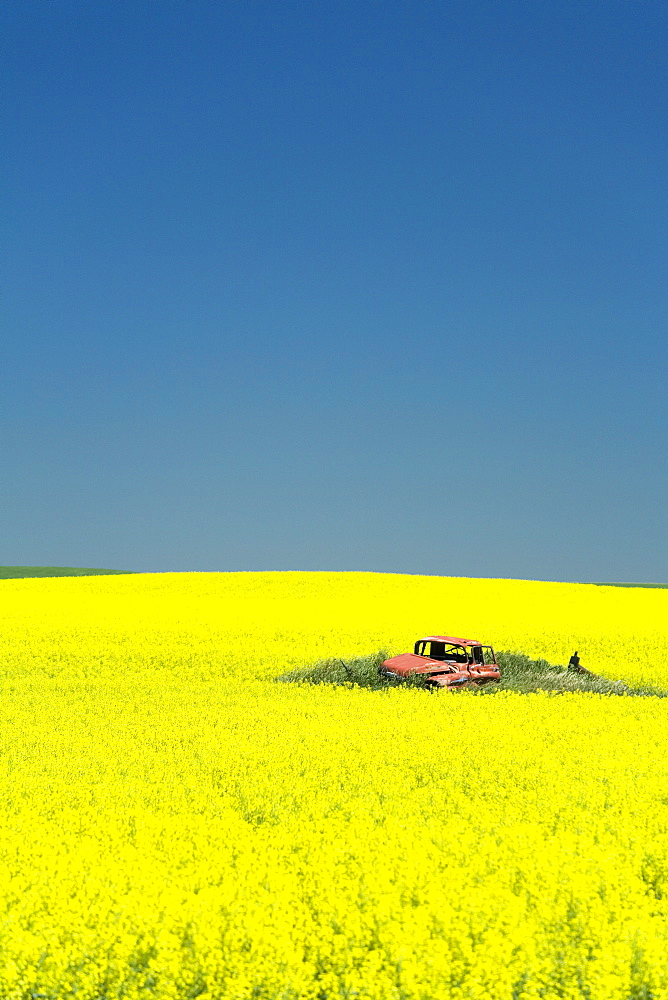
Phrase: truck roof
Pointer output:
(450, 638)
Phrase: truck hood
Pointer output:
(411, 663)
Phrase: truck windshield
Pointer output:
(447, 651)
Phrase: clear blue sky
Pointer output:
(335, 285)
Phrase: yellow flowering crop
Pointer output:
(177, 825)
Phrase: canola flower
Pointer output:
(176, 825)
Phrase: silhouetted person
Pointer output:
(574, 662)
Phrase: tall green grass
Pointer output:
(518, 673)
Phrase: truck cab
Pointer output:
(447, 662)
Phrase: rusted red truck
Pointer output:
(446, 662)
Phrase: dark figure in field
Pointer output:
(574, 665)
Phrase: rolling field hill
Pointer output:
(23, 572)
(177, 824)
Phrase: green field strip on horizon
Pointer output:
(25, 572)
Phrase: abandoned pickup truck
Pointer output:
(445, 662)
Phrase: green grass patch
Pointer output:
(518, 673)
(24, 572)
(361, 671)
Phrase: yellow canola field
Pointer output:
(177, 825)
